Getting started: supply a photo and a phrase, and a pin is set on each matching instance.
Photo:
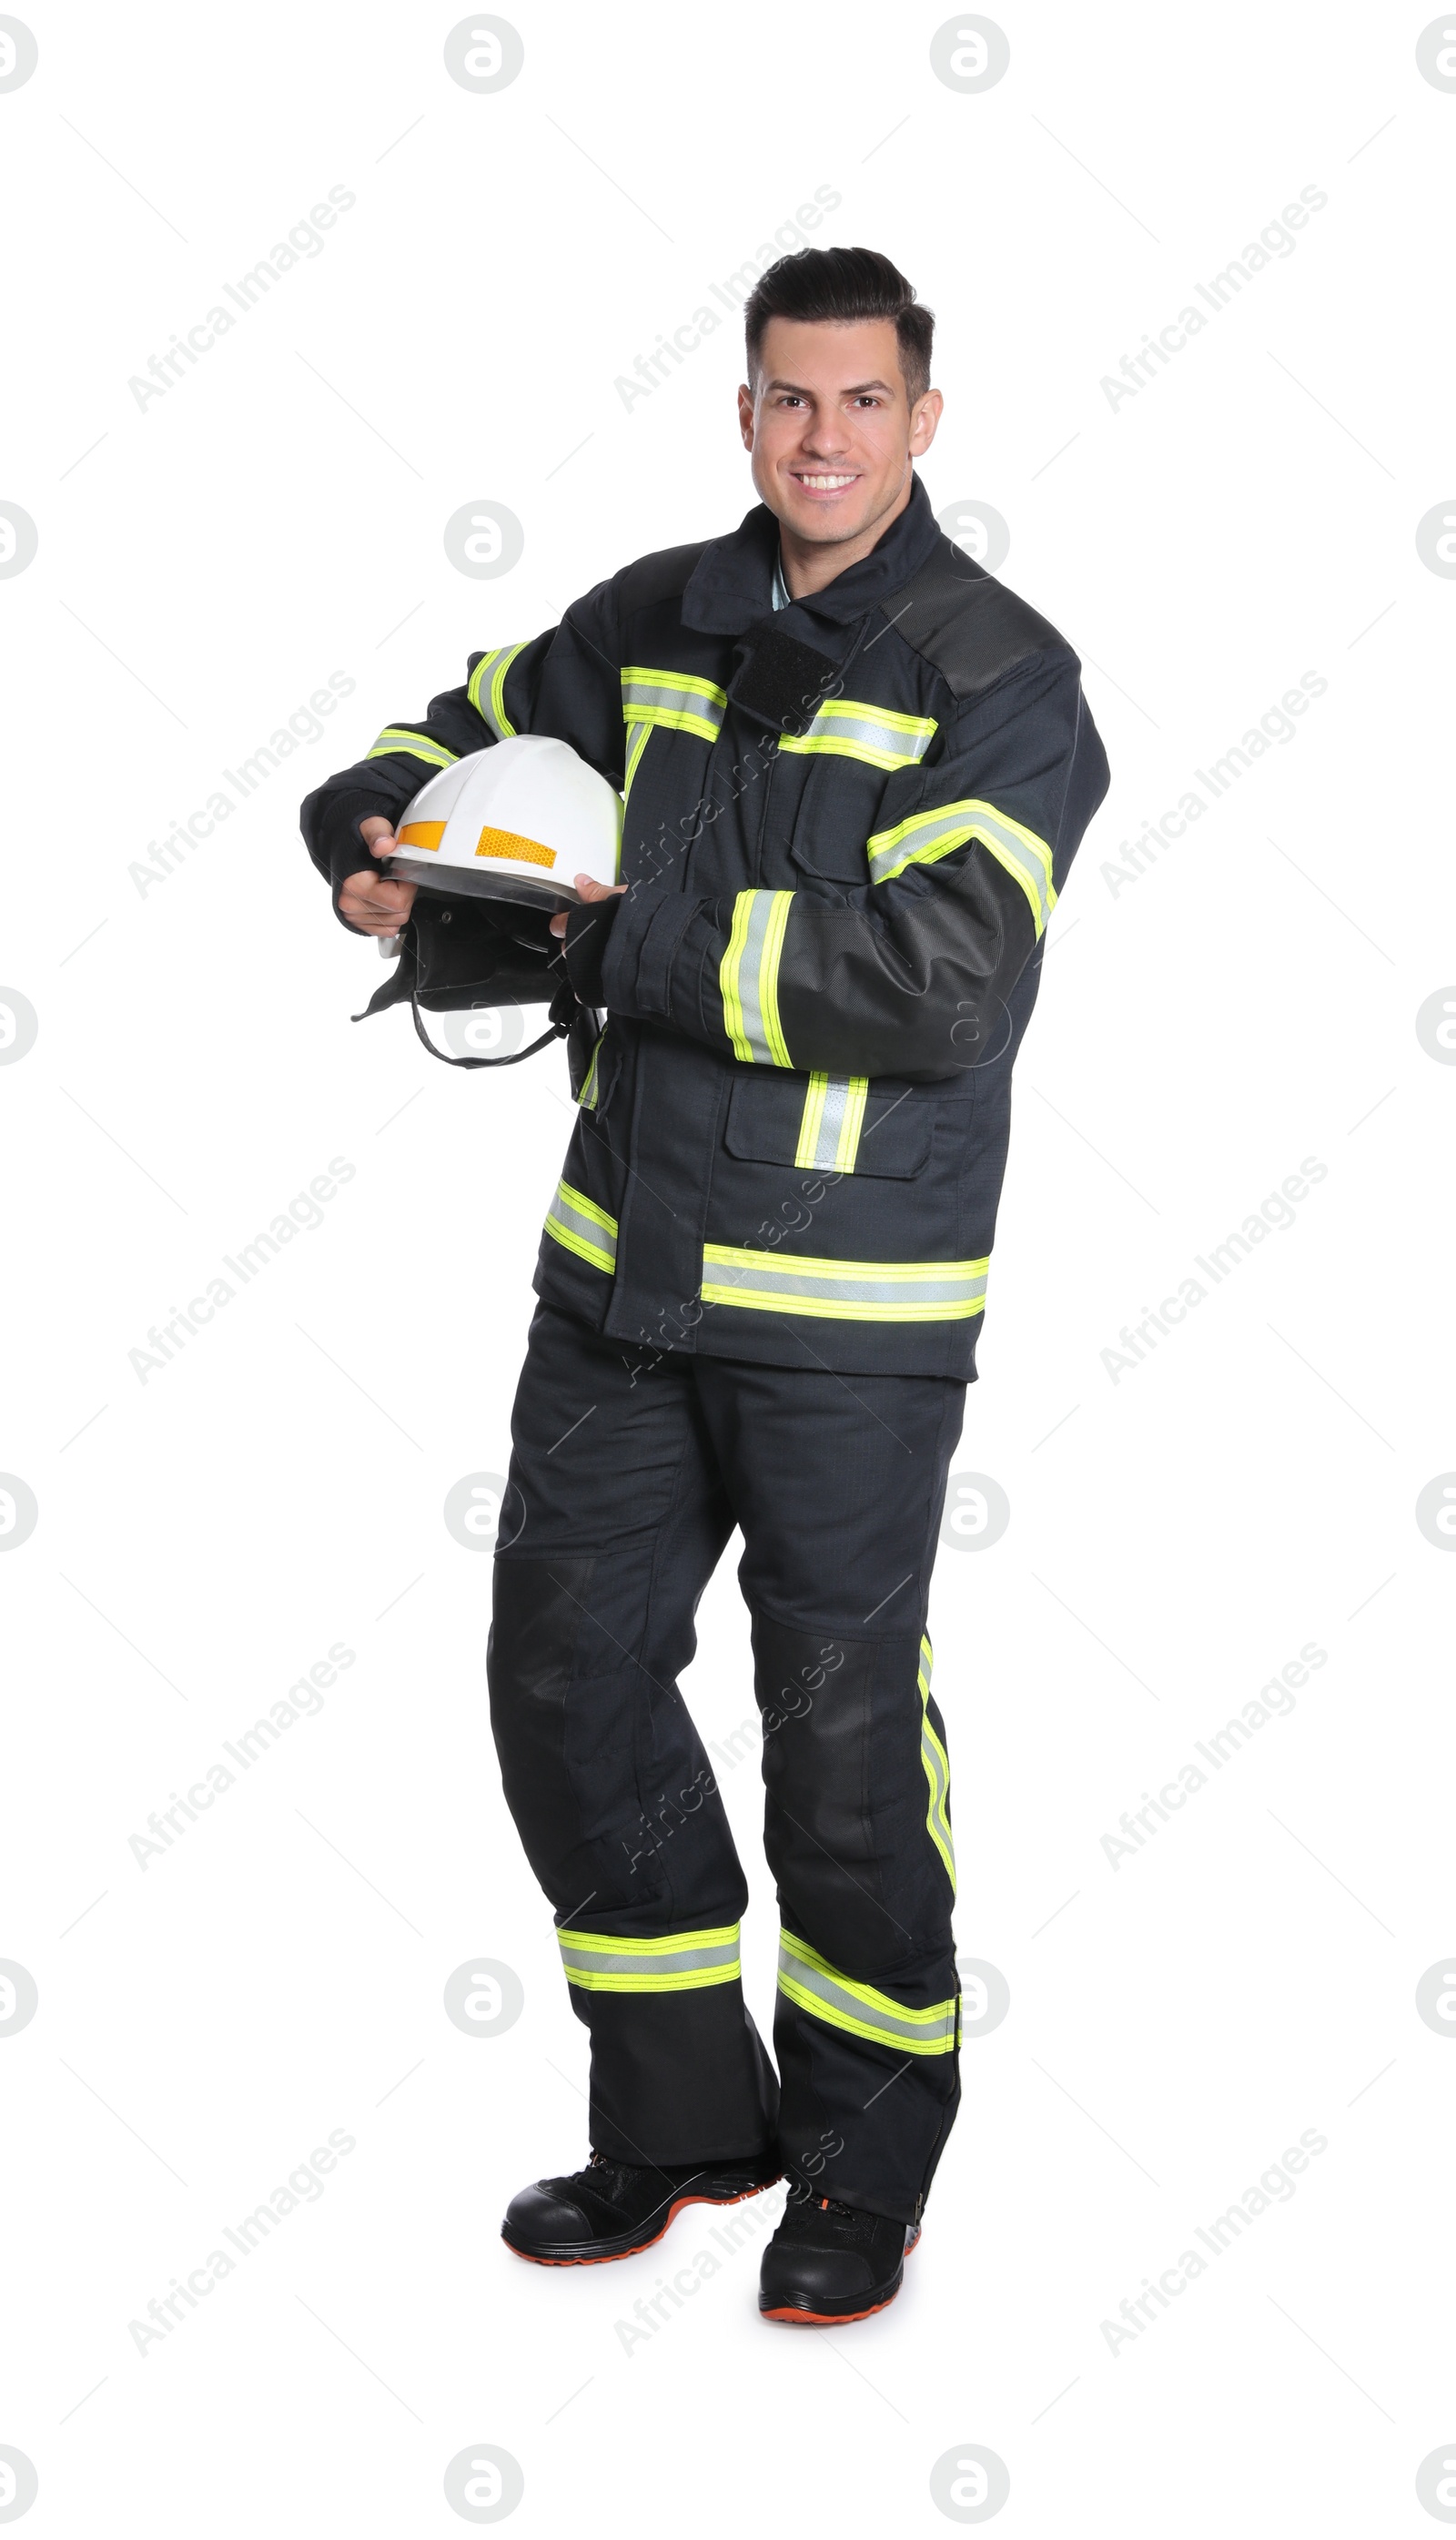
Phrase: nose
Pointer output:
(826, 435)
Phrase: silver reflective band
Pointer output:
(486, 689)
(814, 1985)
(871, 1292)
(1024, 856)
(926, 837)
(748, 977)
(843, 729)
(578, 1223)
(935, 1764)
(676, 698)
(833, 1117)
(395, 742)
(640, 735)
(677, 1962)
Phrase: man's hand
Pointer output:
(588, 889)
(375, 905)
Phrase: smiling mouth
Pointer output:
(825, 480)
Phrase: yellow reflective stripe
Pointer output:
(845, 729)
(926, 837)
(669, 1962)
(833, 1118)
(674, 719)
(641, 733)
(856, 1093)
(677, 699)
(936, 1764)
(938, 1819)
(587, 1099)
(728, 974)
(810, 1981)
(492, 668)
(861, 1291)
(635, 680)
(497, 715)
(923, 728)
(831, 745)
(582, 1228)
(748, 977)
(807, 1150)
(396, 741)
(768, 977)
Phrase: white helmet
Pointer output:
(516, 822)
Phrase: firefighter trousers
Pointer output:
(630, 1469)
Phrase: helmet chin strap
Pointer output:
(554, 1031)
(459, 959)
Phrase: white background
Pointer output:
(205, 564)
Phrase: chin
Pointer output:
(827, 528)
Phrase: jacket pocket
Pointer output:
(838, 808)
(847, 1124)
(865, 770)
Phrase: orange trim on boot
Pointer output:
(840, 2318)
(613, 2257)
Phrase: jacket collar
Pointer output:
(730, 585)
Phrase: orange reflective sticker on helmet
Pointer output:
(520, 851)
(421, 834)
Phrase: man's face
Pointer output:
(829, 427)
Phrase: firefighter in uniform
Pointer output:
(855, 771)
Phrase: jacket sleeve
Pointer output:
(909, 974)
(566, 683)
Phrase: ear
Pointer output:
(925, 416)
(745, 416)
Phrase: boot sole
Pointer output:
(839, 2319)
(632, 2248)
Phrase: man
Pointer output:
(855, 771)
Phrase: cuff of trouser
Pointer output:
(679, 2076)
(588, 932)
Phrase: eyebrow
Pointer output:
(860, 390)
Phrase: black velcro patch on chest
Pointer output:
(782, 681)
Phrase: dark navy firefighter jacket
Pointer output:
(846, 824)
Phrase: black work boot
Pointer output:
(614, 2208)
(829, 2262)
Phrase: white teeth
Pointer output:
(826, 484)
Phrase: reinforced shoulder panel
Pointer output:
(967, 624)
(660, 576)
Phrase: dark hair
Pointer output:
(838, 286)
